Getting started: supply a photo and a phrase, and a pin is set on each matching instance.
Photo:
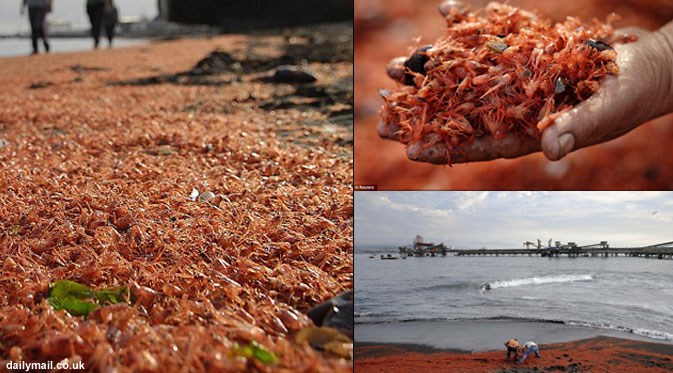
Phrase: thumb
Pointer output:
(604, 116)
(622, 103)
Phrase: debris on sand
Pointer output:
(293, 74)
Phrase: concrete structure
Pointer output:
(232, 15)
(659, 251)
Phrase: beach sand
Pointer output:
(481, 335)
(596, 355)
(478, 346)
(101, 152)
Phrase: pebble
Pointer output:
(206, 196)
(165, 150)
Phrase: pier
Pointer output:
(420, 248)
(658, 251)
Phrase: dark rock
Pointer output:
(416, 63)
(293, 74)
(39, 85)
(337, 313)
(83, 69)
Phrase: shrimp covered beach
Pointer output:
(499, 74)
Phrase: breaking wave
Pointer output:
(654, 334)
(535, 280)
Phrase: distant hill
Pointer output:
(373, 249)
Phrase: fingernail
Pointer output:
(566, 144)
(395, 69)
(414, 150)
(445, 7)
(387, 130)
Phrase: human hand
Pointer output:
(424, 150)
(481, 149)
(642, 91)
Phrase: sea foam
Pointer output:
(535, 280)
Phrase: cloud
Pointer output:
(507, 219)
(471, 199)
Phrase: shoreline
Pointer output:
(20, 47)
(596, 354)
(482, 335)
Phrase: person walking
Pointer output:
(37, 14)
(512, 347)
(529, 348)
(110, 20)
(95, 9)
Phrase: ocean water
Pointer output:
(20, 46)
(588, 295)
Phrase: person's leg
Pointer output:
(96, 13)
(43, 29)
(34, 25)
(110, 23)
(509, 352)
(90, 12)
(525, 355)
(100, 14)
(537, 353)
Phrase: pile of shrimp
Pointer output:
(97, 188)
(496, 72)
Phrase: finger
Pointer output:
(401, 69)
(395, 69)
(435, 154)
(447, 6)
(596, 120)
(483, 149)
(388, 130)
(611, 112)
(602, 117)
(628, 31)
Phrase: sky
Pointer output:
(498, 220)
(73, 11)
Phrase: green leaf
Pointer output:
(113, 295)
(77, 307)
(65, 288)
(71, 296)
(80, 300)
(256, 351)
